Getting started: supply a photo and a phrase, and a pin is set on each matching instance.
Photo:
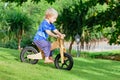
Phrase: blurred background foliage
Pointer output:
(91, 19)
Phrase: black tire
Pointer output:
(68, 62)
(27, 51)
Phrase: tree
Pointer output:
(22, 1)
(76, 17)
(18, 23)
(109, 18)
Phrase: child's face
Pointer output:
(52, 19)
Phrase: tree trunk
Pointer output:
(82, 43)
(70, 47)
(19, 41)
(20, 38)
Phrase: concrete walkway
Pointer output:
(98, 46)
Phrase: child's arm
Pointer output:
(51, 34)
(59, 33)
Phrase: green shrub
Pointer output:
(11, 44)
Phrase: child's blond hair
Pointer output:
(50, 12)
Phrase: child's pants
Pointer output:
(45, 46)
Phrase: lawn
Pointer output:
(84, 69)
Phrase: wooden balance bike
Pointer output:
(62, 61)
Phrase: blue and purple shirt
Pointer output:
(41, 33)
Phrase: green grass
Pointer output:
(84, 69)
(91, 54)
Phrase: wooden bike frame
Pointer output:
(59, 44)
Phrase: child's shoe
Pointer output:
(48, 61)
(51, 58)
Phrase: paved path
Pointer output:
(101, 46)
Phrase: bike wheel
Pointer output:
(27, 51)
(68, 62)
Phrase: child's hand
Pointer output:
(57, 36)
(62, 36)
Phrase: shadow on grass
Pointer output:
(106, 55)
(96, 69)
